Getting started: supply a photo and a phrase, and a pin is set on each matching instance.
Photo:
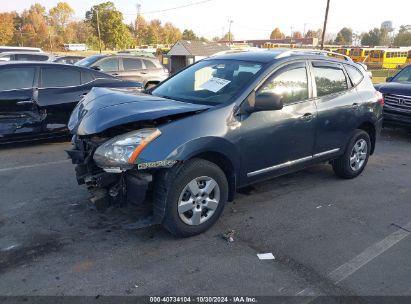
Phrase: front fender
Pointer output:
(191, 149)
(208, 131)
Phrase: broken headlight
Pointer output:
(120, 153)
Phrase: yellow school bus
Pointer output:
(408, 61)
(388, 58)
(330, 49)
(270, 45)
(343, 51)
(360, 54)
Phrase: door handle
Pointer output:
(25, 102)
(143, 73)
(307, 116)
(114, 74)
(355, 106)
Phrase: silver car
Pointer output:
(146, 70)
(26, 56)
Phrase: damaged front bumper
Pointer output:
(107, 188)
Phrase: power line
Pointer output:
(172, 8)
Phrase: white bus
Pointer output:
(75, 47)
(19, 49)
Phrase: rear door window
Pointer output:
(17, 78)
(329, 79)
(131, 64)
(54, 77)
(108, 64)
(29, 57)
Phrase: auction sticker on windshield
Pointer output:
(215, 84)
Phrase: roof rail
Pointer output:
(312, 52)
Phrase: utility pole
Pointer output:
(325, 24)
(138, 15)
(229, 31)
(98, 31)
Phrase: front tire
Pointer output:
(196, 194)
(353, 161)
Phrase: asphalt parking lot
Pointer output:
(328, 236)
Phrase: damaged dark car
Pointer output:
(36, 99)
(221, 124)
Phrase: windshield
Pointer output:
(403, 75)
(209, 81)
(88, 61)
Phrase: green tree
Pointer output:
(375, 37)
(141, 30)
(114, 33)
(7, 27)
(171, 34)
(189, 35)
(82, 32)
(154, 32)
(60, 17)
(277, 34)
(313, 34)
(403, 38)
(344, 36)
(228, 37)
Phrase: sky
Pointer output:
(251, 19)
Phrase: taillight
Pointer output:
(380, 98)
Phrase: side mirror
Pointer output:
(97, 68)
(388, 79)
(268, 102)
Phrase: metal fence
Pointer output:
(380, 73)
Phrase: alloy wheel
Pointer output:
(358, 154)
(199, 200)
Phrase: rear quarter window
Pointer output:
(355, 75)
(149, 64)
(86, 77)
(30, 57)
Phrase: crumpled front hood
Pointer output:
(104, 108)
(400, 88)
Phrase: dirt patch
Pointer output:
(83, 266)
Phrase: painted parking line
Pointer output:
(369, 254)
(35, 165)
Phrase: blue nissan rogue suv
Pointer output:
(221, 124)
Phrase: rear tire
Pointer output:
(195, 194)
(353, 161)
